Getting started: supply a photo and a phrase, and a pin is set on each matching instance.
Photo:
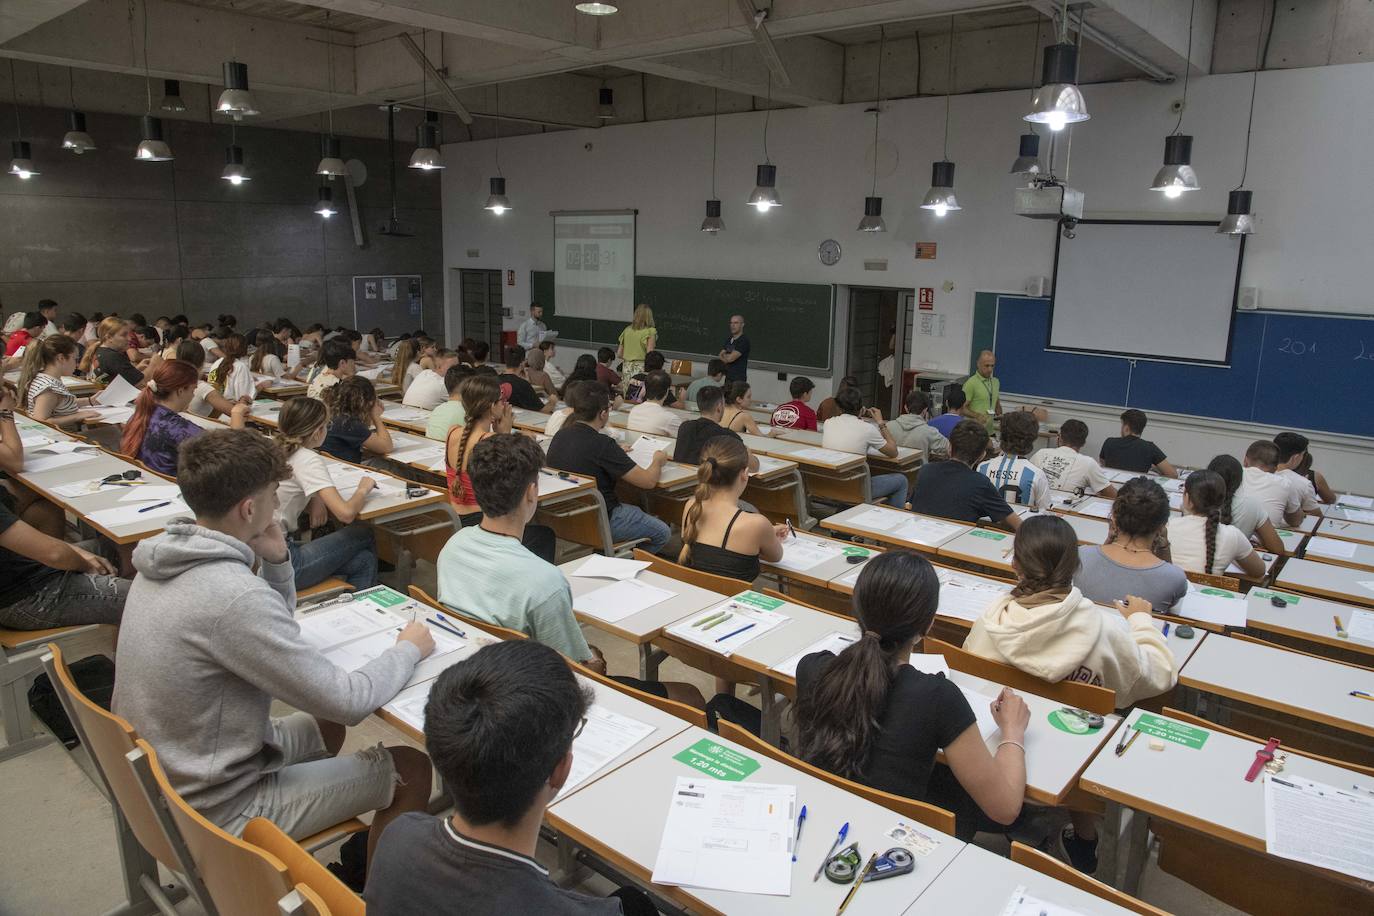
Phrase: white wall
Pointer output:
(1308, 169)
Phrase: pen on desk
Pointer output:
(165, 502)
(796, 839)
(1166, 628)
(747, 626)
(1125, 745)
(858, 883)
(445, 625)
(844, 832)
(716, 623)
(1362, 695)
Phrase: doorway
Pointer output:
(879, 327)
(480, 311)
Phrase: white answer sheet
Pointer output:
(550, 482)
(1023, 904)
(1361, 625)
(642, 452)
(599, 567)
(346, 621)
(1331, 547)
(966, 597)
(821, 456)
(1359, 502)
(1327, 826)
(1213, 605)
(800, 553)
(620, 599)
(982, 709)
(117, 393)
(834, 643)
(134, 513)
(730, 624)
(605, 737)
(729, 836)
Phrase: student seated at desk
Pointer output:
(449, 413)
(207, 402)
(1292, 449)
(1281, 503)
(1048, 629)
(46, 398)
(269, 356)
(31, 329)
(355, 342)
(1134, 561)
(796, 413)
(1318, 480)
(1129, 452)
(580, 448)
(1246, 512)
(230, 374)
(719, 536)
(522, 393)
(156, 430)
(173, 337)
(953, 412)
(828, 406)
(1068, 469)
(1203, 540)
(693, 435)
(635, 386)
(349, 552)
(31, 508)
(407, 365)
(867, 715)
(72, 325)
(355, 422)
(913, 430)
(650, 416)
(1013, 474)
(737, 416)
(549, 349)
(499, 727)
(953, 489)
(537, 376)
(206, 645)
(714, 378)
(604, 373)
(429, 389)
(335, 364)
(104, 361)
(856, 430)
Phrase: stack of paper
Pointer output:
(1359, 502)
(729, 625)
(605, 737)
(550, 482)
(965, 596)
(1213, 605)
(1331, 547)
(642, 452)
(401, 414)
(801, 553)
(598, 567)
(1323, 825)
(927, 531)
(877, 518)
(834, 643)
(729, 836)
(620, 600)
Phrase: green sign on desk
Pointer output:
(990, 535)
(856, 552)
(754, 599)
(1270, 596)
(385, 597)
(1169, 730)
(716, 760)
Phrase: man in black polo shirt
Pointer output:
(694, 434)
(953, 489)
(735, 353)
(522, 393)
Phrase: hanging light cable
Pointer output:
(1177, 175)
(21, 165)
(873, 204)
(331, 155)
(1239, 219)
(713, 223)
(765, 195)
(1028, 161)
(76, 138)
(497, 202)
(426, 156)
(152, 148)
(940, 197)
(1058, 101)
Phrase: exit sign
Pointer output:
(926, 302)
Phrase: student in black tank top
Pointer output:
(744, 537)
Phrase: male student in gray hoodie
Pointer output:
(206, 644)
(911, 430)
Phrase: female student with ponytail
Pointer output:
(109, 358)
(350, 552)
(1203, 538)
(867, 715)
(230, 374)
(45, 396)
(269, 356)
(157, 427)
(407, 365)
(1246, 514)
(207, 402)
(718, 536)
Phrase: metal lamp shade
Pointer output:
(325, 205)
(1058, 101)
(497, 202)
(873, 216)
(153, 148)
(21, 166)
(1177, 175)
(940, 197)
(171, 96)
(712, 223)
(1238, 220)
(331, 162)
(236, 101)
(1028, 158)
(765, 196)
(76, 138)
(426, 156)
(235, 172)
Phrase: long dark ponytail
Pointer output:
(723, 459)
(895, 601)
(1232, 476)
(1207, 492)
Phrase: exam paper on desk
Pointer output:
(800, 553)
(642, 452)
(982, 710)
(749, 616)
(1023, 904)
(1359, 502)
(598, 567)
(619, 600)
(730, 836)
(346, 621)
(1213, 605)
(966, 597)
(834, 643)
(1327, 826)
(551, 483)
(605, 737)
(1330, 547)
(135, 513)
(355, 654)
(1361, 625)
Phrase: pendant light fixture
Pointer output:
(21, 163)
(1177, 175)
(235, 172)
(325, 205)
(76, 139)
(765, 195)
(1240, 218)
(873, 205)
(940, 198)
(497, 202)
(152, 148)
(236, 101)
(426, 157)
(1058, 101)
(331, 159)
(1028, 163)
(596, 9)
(605, 104)
(713, 223)
(171, 96)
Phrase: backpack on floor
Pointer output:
(94, 676)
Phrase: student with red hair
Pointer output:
(157, 427)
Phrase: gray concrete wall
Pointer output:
(102, 232)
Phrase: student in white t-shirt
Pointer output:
(650, 416)
(851, 431)
(1067, 468)
(1246, 513)
(428, 389)
(269, 356)
(1281, 504)
(207, 402)
(230, 374)
(1018, 480)
(1202, 539)
(1292, 452)
(350, 552)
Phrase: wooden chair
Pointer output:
(304, 869)
(322, 591)
(1050, 866)
(241, 878)
(722, 585)
(1230, 583)
(1083, 696)
(687, 713)
(499, 632)
(680, 367)
(919, 811)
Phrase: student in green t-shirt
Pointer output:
(637, 340)
(983, 393)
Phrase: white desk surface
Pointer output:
(845, 521)
(983, 546)
(1181, 648)
(1311, 688)
(1088, 530)
(1292, 540)
(73, 384)
(1307, 526)
(641, 627)
(1305, 617)
(1349, 514)
(762, 445)
(815, 438)
(1363, 557)
(1345, 529)
(645, 785)
(1204, 788)
(1340, 583)
(981, 882)
(406, 417)
(804, 627)
(529, 419)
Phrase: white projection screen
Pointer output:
(594, 263)
(1148, 290)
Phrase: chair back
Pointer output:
(1084, 696)
(919, 811)
(680, 367)
(1050, 866)
(242, 879)
(1230, 583)
(722, 585)
(687, 713)
(499, 632)
(304, 869)
(302, 901)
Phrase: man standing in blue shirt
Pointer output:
(735, 353)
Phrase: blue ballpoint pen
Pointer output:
(445, 625)
(166, 502)
(737, 632)
(839, 840)
(801, 819)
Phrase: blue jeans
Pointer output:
(889, 486)
(350, 553)
(631, 522)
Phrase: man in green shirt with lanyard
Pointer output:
(983, 393)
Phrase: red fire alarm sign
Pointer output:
(926, 301)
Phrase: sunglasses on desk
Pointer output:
(130, 478)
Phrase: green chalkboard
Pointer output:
(788, 324)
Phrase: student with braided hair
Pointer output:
(1048, 629)
(718, 535)
(1203, 538)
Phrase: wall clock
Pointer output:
(829, 252)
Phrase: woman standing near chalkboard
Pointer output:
(637, 341)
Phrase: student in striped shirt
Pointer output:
(1012, 473)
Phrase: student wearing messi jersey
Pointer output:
(1012, 473)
